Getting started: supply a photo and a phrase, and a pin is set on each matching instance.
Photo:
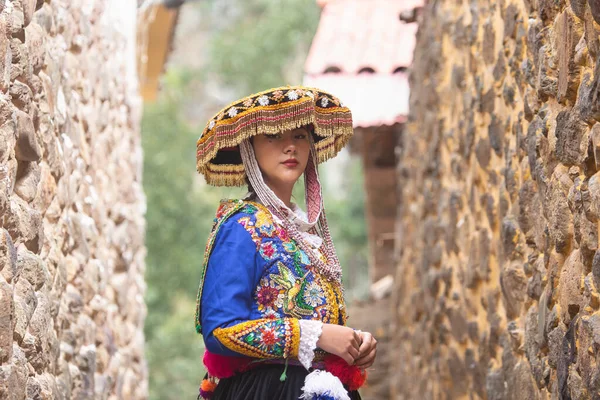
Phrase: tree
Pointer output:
(260, 44)
(179, 218)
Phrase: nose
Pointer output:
(289, 146)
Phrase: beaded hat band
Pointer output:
(269, 112)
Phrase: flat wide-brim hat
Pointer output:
(269, 112)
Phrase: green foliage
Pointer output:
(179, 218)
(346, 218)
(256, 46)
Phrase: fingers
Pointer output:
(367, 342)
(353, 353)
(368, 351)
(368, 360)
(355, 345)
(358, 336)
(350, 354)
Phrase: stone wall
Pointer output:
(71, 202)
(498, 263)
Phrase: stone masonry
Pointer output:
(498, 268)
(71, 202)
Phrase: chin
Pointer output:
(289, 179)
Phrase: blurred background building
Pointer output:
(362, 51)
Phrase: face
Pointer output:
(282, 158)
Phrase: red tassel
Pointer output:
(350, 375)
(224, 366)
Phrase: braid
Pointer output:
(314, 202)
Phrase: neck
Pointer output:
(283, 192)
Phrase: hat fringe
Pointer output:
(333, 124)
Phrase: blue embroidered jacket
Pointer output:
(257, 284)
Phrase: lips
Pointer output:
(290, 163)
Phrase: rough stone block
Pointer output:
(28, 179)
(578, 7)
(29, 7)
(23, 223)
(570, 286)
(32, 268)
(489, 43)
(34, 40)
(28, 148)
(595, 144)
(8, 256)
(572, 136)
(496, 133)
(567, 37)
(591, 197)
(25, 303)
(595, 9)
(21, 96)
(513, 282)
(7, 314)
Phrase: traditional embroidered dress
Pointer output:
(268, 284)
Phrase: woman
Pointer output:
(270, 305)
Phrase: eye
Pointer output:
(301, 136)
(273, 137)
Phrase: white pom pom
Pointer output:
(323, 383)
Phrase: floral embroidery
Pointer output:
(324, 101)
(278, 95)
(232, 112)
(266, 296)
(267, 251)
(264, 222)
(313, 295)
(272, 314)
(263, 100)
(262, 338)
(292, 95)
(211, 124)
(282, 234)
(269, 337)
(248, 102)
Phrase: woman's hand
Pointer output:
(367, 350)
(340, 340)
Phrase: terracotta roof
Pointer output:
(360, 53)
(375, 99)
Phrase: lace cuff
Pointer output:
(310, 331)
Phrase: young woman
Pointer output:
(270, 303)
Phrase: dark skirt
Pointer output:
(262, 383)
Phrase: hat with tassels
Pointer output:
(269, 112)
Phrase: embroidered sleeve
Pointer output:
(232, 273)
(310, 331)
(262, 338)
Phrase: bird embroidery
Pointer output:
(293, 286)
